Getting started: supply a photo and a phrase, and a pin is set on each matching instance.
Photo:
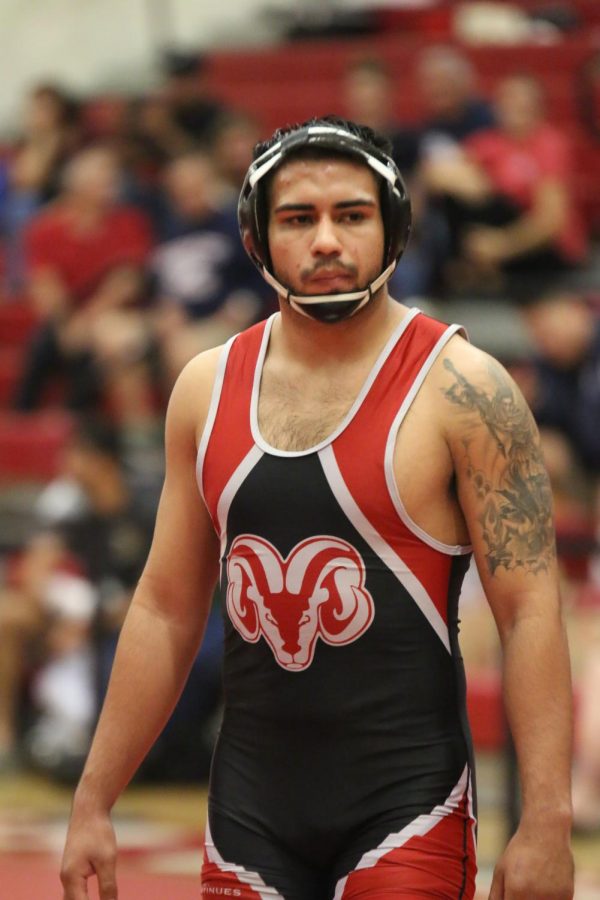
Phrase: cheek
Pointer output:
(371, 252)
(286, 252)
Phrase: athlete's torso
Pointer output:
(343, 685)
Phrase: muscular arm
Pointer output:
(158, 642)
(505, 495)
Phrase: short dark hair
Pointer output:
(367, 135)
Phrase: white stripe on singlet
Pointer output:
(385, 552)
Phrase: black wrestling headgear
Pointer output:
(341, 138)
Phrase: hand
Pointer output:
(74, 333)
(535, 866)
(91, 849)
(486, 247)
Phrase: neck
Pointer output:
(85, 212)
(323, 345)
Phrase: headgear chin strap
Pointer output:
(253, 213)
(329, 307)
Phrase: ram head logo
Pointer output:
(318, 591)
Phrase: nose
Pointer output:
(326, 241)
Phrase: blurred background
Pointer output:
(126, 127)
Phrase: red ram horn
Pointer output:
(253, 571)
(333, 573)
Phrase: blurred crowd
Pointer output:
(124, 246)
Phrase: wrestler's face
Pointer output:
(326, 233)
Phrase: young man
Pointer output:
(349, 452)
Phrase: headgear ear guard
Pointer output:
(253, 213)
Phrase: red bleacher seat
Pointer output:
(486, 715)
(292, 82)
(31, 444)
(17, 324)
(288, 83)
(11, 360)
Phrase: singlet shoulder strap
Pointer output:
(227, 437)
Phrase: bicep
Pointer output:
(182, 566)
(503, 488)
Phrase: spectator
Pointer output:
(564, 390)
(153, 138)
(369, 97)
(186, 88)
(92, 505)
(50, 134)
(368, 94)
(513, 219)
(46, 610)
(206, 287)
(231, 144)
(177, 118)
(66, 597)
(86, 257)
(99, 511)
(565, 331)
(447, 86)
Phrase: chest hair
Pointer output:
(296, 417)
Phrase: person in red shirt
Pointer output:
(86, 255)
(508, 194)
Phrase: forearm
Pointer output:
(530, 232)
(49, 296)
(153, 659)
(540, 225)
(537, 693)
(456, 177)
(120, 288)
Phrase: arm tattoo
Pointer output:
(515, 495)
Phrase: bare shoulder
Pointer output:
(191, 395)
(503, 486)
(475, 388)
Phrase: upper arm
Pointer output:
(182, 567)
(502, 484)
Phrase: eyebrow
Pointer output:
(307, 207)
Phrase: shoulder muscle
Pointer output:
(503, 485)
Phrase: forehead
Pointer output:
(331, 179)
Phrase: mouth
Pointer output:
(330, 282)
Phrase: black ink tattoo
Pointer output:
(516, 499)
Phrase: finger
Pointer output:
(74, 887)
(107, 879)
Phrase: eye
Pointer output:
(353, 216)
(299, 220)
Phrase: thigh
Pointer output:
(432, 857)
(240, 861)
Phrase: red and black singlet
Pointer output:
(344, 741)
